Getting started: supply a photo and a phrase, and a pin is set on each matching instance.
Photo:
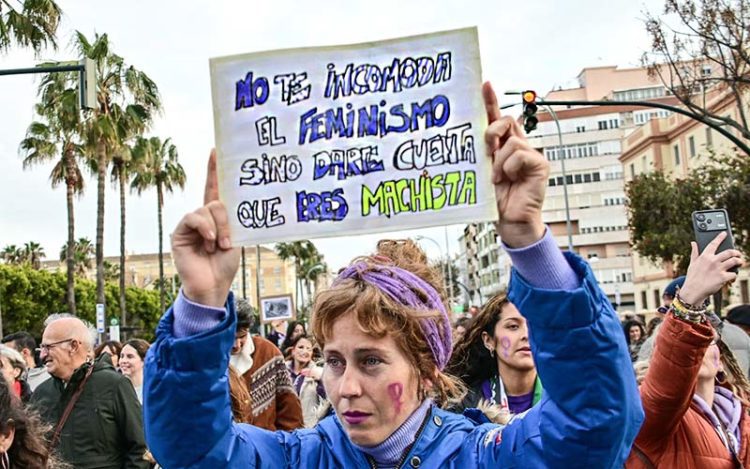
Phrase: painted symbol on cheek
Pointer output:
(395, 391)
(505, 344)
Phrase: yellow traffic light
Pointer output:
(529, 96)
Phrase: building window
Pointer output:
(744, 292)
(691, 145)
(596, 177)
(676, 149)
(587, 177)
(578, 178)
(602, 125)
(657, 298)
(552, 182)
(580, 128)
(644, 303)
(277, 270)
(559, 180)
(614, 123)
(709, 137)
(632, 171)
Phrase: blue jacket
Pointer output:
(588, 417)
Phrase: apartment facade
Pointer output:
(675, 145)
(590, 152)
(483, 265)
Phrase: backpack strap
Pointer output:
(69, 408)
(644, 459)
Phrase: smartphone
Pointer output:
(707, 224)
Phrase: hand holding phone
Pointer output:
(707, 224)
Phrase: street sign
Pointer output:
(100, 318)
(114, 322)
(114, 332)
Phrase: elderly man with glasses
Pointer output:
(96, 419)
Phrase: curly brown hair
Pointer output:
(471, 361)
(378, 315)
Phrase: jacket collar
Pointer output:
(438, 421)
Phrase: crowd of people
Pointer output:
(545, 375)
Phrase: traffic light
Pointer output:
(529, 110)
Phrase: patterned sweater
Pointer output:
(275, 405)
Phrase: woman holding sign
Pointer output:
(385, 335)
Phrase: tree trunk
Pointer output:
(159, 198)
(70, 252)
(123, 310)
(101, 176)
(70, 185)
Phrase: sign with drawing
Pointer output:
(276, 308)
(352, 139)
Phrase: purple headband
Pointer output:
(400, 285)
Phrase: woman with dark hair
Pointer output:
(293, 330)
(22, 444)
(494, 360)
(112, 348)
(132, 357)
(385, 333)
(635, 335)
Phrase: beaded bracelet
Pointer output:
(689, 306)
(688, 315)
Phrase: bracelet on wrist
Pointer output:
(691, 307)
(688, 315)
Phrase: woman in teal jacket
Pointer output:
(385, 335)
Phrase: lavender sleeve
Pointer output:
(543, 265)
(192, 318)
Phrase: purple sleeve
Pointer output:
(192, 318)
(543, 265)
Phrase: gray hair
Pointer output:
(89, 340)
(14, 357)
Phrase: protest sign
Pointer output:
(353, 139)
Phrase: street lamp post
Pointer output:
(568, 225)
(440, 250)
(448, 266)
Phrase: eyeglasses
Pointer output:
(48, 347)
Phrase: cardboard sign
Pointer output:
(354, 139)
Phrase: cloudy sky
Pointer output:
(535, 44)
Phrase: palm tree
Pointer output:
(12, 254)
(35, 25)
(130, 126)
(305, 254)
(56, 138)
(157, 166)
(118, 87)
(82, 252)
(33, 253)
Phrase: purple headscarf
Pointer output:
(404, 287)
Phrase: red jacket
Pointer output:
(675, 433)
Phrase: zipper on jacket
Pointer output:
(405, 454)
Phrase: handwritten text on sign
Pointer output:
(353, 139)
